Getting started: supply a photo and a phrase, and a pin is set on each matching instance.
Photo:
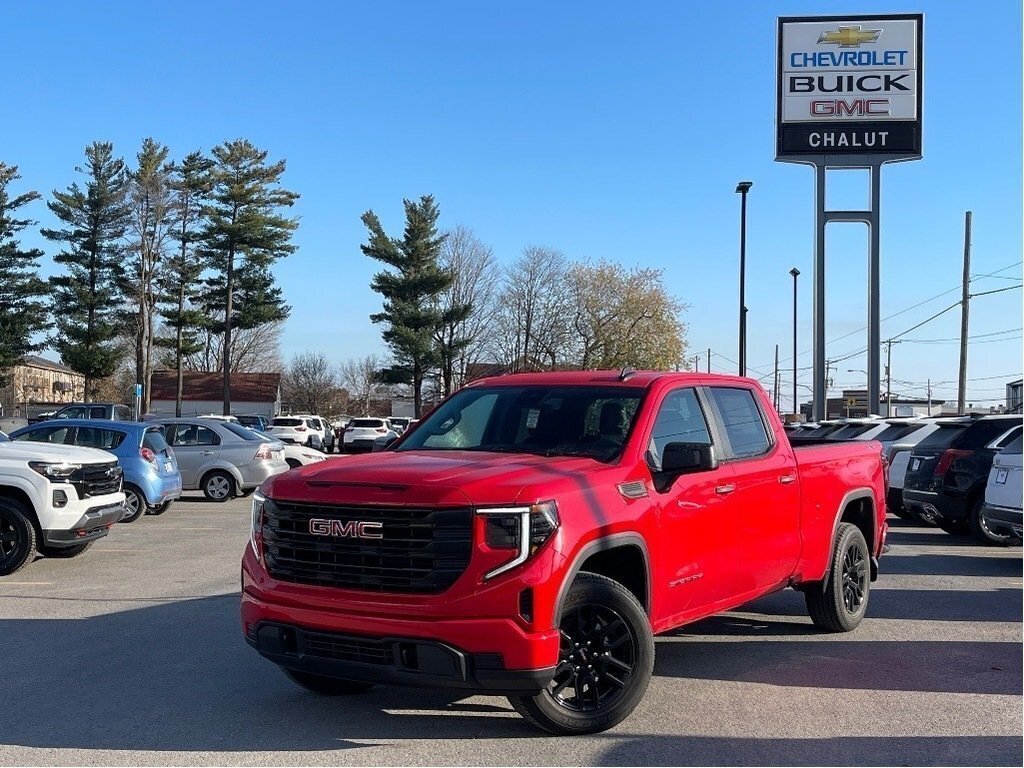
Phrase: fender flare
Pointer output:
(851, 496)
(222, 466)
(603, 544)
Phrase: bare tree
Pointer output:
(475, 283)
(253, 350)
(361, 378)
(309, 384)
(531, 325)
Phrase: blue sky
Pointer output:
(607, 130)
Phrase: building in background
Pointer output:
(853, 404)
(258, 394)
(38, 386)
(1014, 396)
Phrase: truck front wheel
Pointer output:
(841, 604)
(17, 537)
(326, 686)
(605, 661)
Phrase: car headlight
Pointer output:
(522, 529)
(256, 523)
(56, 471)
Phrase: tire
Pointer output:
(326, 686)
(134, 504)
(981, 531)
(576, 701)
(218, 486)
(955, 527)
(841, 605)
(17, 537)
(246, 492)
(159, 509)
(63, 552)
(293, 463)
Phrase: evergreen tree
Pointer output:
(243, 223)
(412, 313)
(150, 199)
(178, 278)
(87, 300)
(22, 309)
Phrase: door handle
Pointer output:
(725, 490)
(207, 453)
(787, 479)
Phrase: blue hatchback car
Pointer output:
(151, 477)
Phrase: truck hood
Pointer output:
(25, 450)
(433, 477)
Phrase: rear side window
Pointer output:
(742, 421)
(122, 413)
(104, 439)
(286, 423)
(941, 438)
(73, 412)
(1013, 447)
(313, 424)
(154, 440)
(97, 412)
(1009, 437)
(367, 423)
(982, 432)
(191, 434)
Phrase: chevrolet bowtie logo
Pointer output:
(850, 37)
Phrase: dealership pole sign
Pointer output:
(849, 85)
(849, 96)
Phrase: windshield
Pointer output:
(545, 420)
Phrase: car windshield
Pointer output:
(591, 421)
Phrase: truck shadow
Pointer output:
(177, 676)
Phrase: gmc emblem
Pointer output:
(353, 529)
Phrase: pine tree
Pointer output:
(149, 196)
(178, 278)
(23, 312)
(412, 315)
(243, 223)
(88, 299)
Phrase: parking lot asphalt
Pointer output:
(132, 654)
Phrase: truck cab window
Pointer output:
(742, 421)
(679, 420)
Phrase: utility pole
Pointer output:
(709, 359)
(742, 189)
(795, 273)
(776, 390)
(888, 377)
(965, 304)
(696, 363)
(929, 397)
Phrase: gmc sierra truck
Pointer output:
(534, 532)
(55, 500)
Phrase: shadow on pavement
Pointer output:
(851, 750)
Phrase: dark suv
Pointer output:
(946, 478)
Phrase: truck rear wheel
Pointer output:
(326, 686)
(17, 537)
(841, 605)
(605, 661)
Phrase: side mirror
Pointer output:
(681, 458)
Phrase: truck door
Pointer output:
(698, 543)
(767, 495)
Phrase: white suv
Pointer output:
(325, 429)
(55, 500)
(360, 434)
(301, 430)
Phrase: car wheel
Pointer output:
(606, 658)
(134, 504)
(159, 509)
(218, 486)
(326, 686)
(63, 552)
(841, 605)
(983, 532)
(17, 537)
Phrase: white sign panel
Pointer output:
(849, 85)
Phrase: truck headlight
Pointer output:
(56, 471)
(256, 523)
(523, 529)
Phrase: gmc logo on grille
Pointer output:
(353, 529)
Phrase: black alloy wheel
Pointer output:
(855, 578)
(838, 603)
(17, 537)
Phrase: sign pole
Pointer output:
(820, 374)
(874, 295)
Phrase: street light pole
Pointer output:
(795, 273)
(742, 188)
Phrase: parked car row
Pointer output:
(960, 473)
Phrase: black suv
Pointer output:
(948, 470)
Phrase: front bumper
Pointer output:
(94, 524)
(1003, 518)
(391, 660)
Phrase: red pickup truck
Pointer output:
(532, 534)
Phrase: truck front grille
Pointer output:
(97, 479)
(419, 550)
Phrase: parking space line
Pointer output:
(26, 583)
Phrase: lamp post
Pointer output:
(868, 377)
(795, 273)
(742, 188)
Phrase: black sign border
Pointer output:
(833, 125)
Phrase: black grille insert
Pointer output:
(97, 479)
(420, 550)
